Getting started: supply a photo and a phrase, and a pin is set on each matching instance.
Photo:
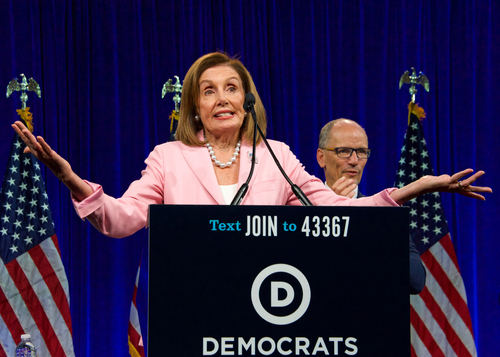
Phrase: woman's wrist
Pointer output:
(410, 191)
(79, 188)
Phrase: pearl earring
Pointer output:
(196, 118)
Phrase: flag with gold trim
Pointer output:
(440, 319)
(34, 289)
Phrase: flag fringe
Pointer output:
(419, 112)
(172, 117)
(132, 349)
(27, 117)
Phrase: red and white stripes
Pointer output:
(136, 348)
(34, 299)
(440, 319)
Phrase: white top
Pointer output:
(228, 192)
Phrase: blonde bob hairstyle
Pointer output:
(188, 127)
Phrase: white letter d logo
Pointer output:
(275, 286)
(290, 294)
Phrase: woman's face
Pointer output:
(221, 101)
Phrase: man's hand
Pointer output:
(344, 187)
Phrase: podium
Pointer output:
(278, 280)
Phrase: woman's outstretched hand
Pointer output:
(464, 187)
(443, 183)
(42, 151)
(59, 166)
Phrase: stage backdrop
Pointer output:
(101, 66)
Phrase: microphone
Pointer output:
(249, 107)
(249, 102)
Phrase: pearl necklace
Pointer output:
(217, 162)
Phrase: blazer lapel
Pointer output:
(198, 159)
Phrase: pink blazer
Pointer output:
(179, 174)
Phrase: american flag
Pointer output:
(440, 319)
(34, 290)
(135, 345)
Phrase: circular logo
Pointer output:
(306, 294)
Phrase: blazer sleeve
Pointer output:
(121, 217)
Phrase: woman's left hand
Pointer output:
(443, 183)
(464, 187)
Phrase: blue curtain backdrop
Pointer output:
(101, 66)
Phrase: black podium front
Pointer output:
(276, 281)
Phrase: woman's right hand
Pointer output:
(42, 151)
(59, 166)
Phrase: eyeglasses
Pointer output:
(345, 153)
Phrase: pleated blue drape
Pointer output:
(101, 66)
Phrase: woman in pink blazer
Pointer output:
(211, 160)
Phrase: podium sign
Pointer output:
(278, 280)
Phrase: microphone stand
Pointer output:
(249, 106)
(296, 189)
(244, 188)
